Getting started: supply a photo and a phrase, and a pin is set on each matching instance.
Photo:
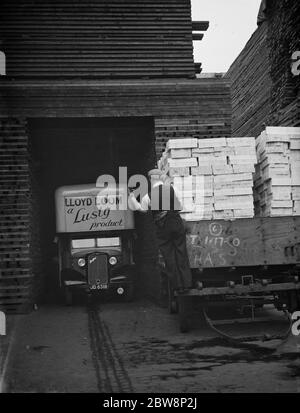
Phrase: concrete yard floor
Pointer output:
(137, 347)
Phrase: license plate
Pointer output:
(99, 287)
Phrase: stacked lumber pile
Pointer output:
(98, 39)
(264, 91)
(289, 115)
(199, 117)
(283, 40)
(17, 240)
(277, 177)
(213, 177)
(251, 85)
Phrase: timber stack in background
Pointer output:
(250, 86)
(111, 39)
(264, 90)
(20, 250)
(90, 63)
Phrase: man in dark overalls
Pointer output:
(170, 230)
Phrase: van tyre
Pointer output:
(68, 296)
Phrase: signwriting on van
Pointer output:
(93, 213)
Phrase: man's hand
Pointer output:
(133, 204)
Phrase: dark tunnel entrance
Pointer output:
(76, 151)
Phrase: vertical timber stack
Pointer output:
(283, 41)
(251, 86)
(211, 120)
(264, 90)
(19, 242)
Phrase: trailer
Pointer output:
(246, 262)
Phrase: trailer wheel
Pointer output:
(184, 321)
(172, 300)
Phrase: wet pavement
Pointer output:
(137, 347)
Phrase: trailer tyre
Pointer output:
(184, 321)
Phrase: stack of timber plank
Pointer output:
(17, 223)
(283, 40)
(213, 177)
(264, 91)
(289, 115)
(206, 113)
(98, 39)
(251, 85)
(277, 177)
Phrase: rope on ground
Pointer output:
(229, 338)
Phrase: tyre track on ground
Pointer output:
(110, 371)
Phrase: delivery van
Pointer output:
(95, 237)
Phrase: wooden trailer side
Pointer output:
(244, 242)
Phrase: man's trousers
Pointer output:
(171, 238)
